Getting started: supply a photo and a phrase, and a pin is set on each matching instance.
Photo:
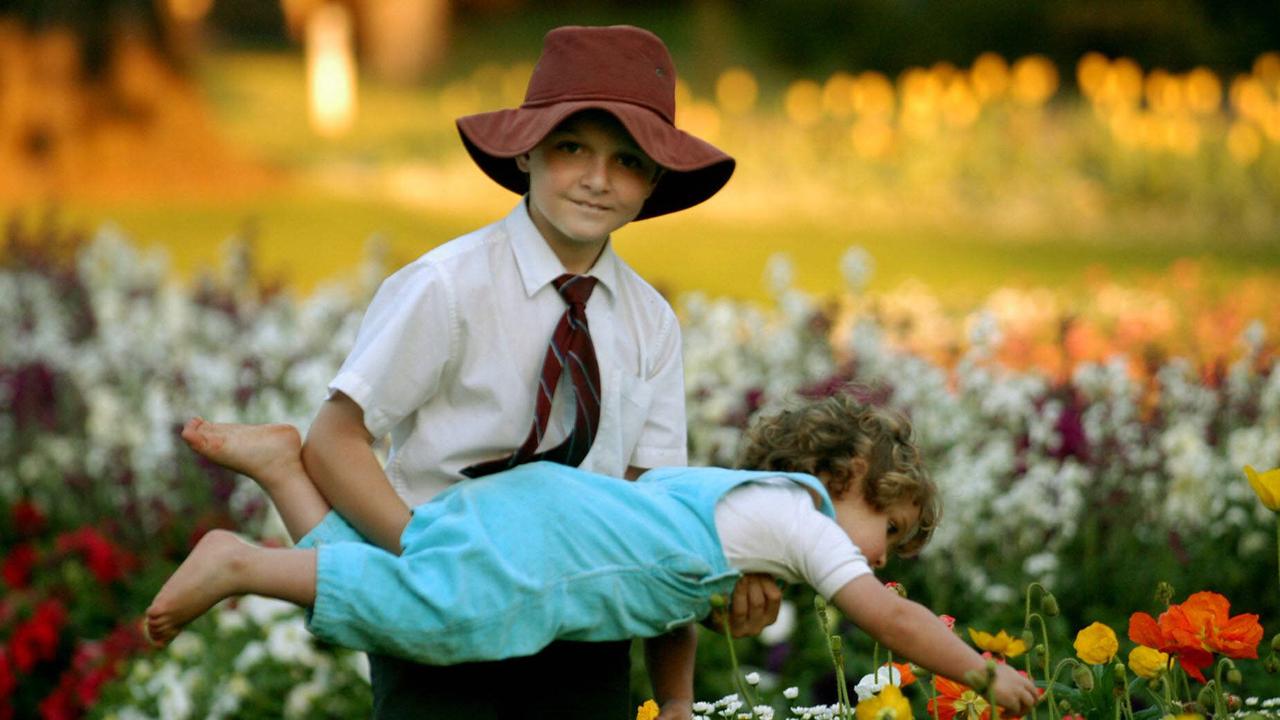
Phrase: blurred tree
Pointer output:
(95, 97)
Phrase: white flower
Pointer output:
(791, 693)
(778, 273)
(856, 266)
(753, 678)
(870, 685)
(289, 642)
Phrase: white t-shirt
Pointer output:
(451, 349)
(773, 527)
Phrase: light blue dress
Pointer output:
(501, 566)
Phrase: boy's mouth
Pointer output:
(590, 206)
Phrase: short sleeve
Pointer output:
(405, 341)
(824, 555)
(664, 439)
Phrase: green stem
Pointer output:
(733, 665)
(1044, 635)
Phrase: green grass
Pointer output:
(305, 238)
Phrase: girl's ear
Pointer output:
(858, 468)
(522, 162)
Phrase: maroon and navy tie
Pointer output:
(571, 349)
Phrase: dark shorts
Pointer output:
(568, 680)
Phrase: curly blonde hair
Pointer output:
(823, 437)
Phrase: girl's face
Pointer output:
(587, 178)
(877, 533)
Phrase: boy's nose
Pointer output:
(595, 175)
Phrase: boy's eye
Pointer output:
(568, 146)
(893, 528)
(630, 161)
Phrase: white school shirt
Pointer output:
(773, 527)
(451, 349)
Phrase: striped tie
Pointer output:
(570, 347)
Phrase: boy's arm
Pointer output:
(914, 632)
(670, 660)
(338, 455)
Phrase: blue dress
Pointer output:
(503, 565)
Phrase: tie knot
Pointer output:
(575, 289)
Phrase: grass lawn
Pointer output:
(305, 238)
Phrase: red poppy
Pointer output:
(8, 681)
(27, 519)
(17, 567)
(107, 562)
(957, 701)
(36, 640)
(1197, 628)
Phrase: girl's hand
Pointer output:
(1014, 691)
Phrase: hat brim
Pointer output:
(695, 169)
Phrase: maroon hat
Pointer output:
(623, 70)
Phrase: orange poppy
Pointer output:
(1197, 628)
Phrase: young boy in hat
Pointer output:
(453, 360)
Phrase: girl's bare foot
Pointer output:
(211, 573)
(270, 454)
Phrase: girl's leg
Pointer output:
(271, 455)
(221, 566)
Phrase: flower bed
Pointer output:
(1095, 476)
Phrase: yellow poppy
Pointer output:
(647, 711)
(888, 704)
(1096, 644)
(1147, 662)
(1000, 643)
(1266, 485)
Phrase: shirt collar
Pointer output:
(538, 265)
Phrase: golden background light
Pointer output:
(736, 91)
(331, 70)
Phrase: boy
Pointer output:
(453, 362)
(490, 571)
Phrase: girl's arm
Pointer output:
(338, 455)
(670, 659)
(912, 631)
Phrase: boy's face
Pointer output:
(877, 533)
(587, 178)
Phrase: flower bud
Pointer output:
(1028, 637)
(1118, 672)
(1275, 643)
(897, 587)
(1064, 707)
(1234, 677)
(1039, 648)
(717, 601)
(819, 603)
(1049, 605)
(1271, 664)
(1164, 593)
(976, 679)
(1233, 702)
(1082, 677)
(1205, 698)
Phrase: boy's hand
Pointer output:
(1014, 691)
(756, 599)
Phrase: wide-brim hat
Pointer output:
(624, 71)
